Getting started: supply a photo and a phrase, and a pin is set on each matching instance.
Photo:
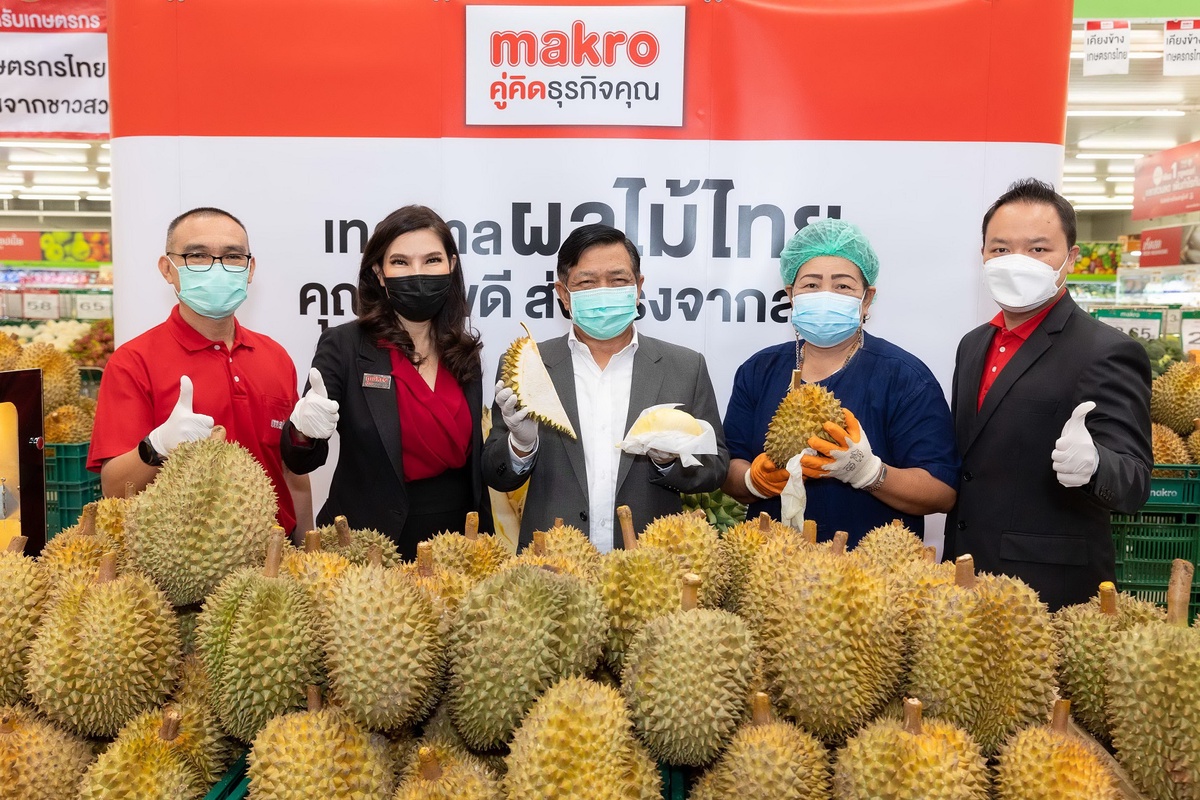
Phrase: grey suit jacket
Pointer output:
(558, 482)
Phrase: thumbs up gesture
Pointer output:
(184, 425)
(315, 415)
(1075, 456)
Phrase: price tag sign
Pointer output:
(1143, 323)
(39, 305)
(1189, 330)
(93, 306)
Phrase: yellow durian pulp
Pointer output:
(522, 370)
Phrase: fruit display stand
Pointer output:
(69, 485)
(234, 784)
(1125, 784)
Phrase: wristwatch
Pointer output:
(874, 487)
(149, 455)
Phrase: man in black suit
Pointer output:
(1051, 412)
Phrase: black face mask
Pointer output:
(418, 297)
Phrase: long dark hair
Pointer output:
(458, 345)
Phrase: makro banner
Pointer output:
(708, 132)
(1167, 182)
(53, 68)
(1170, 247)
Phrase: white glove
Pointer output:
(849, 458)
(183, 425)
(522, 430)
(315, 415)
(1075, 456)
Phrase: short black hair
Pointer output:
(1031, 190)
(588, 236)
(202, 211)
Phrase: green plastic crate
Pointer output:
(234, 784)
(676, 783)
(69, 486)
(67, 463)
(1182, 490)
(1147, 542)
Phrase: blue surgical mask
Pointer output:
(826, 318)
(604, 313)
(215, 294)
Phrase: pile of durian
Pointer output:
(68, 414)
(1175, 415)
(167, 632)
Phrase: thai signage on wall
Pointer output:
(1167, 182)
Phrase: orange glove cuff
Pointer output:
(764, 479)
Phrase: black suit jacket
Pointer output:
(368, 481)
(1012, 514)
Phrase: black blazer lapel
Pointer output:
(643, 393)
(970, 374)
(556, 355)
(382, 401)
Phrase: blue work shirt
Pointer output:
(897, 401)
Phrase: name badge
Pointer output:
(373, 381)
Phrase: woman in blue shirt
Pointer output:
(895, 456)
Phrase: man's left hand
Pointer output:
(848, 458)
(1075, 457)
(661, 457)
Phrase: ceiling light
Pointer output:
(1128, 207)
(51, 187)
(1080, 179)
(35, 144)
(105, 146)
(46, 168)
(1088, 189)
(1109, 145)
(1129, 156)
(1071, 168)
(1124, 169)
(1120, 178)
(68, 197)
(1124, 98)
(26, 157)
(1124, 189)
(1124, 112)
(103, 169)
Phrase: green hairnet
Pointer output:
(828, 237)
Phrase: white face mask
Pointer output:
(1020, 283)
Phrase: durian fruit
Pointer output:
(106, 651)
(801, 415)
(439, 730)
(637, 584)
(76, 552)
(10, 351)
(1152, 691)
(697, 546)
(830, 636)
(768, 760)
(517, 633)
(146, 762)
(576, 742)
(208, 513)
(911, 760)
(889, 547)
(319, 572)
(1087, 635)
(474, 555)
(354, 544)
(569, 543)
(686, 679)
(522, 370)
(1175, 396)
(259, 640)
(38, 760)
(200, 735)
(740, 545)
(1168, 448)
(67, 423)
(1193, 443)
(23, 590)
(318, 753)
(440, 773)
(385, 652)
(983, 655)
(110, 521)
(60, 373)
(722, 511)
(1048, 763)
(445, 587)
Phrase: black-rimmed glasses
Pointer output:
(203, 262)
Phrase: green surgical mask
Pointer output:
(604, 313)
(215, 294)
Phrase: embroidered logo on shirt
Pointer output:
(277, 424)
(373, 381)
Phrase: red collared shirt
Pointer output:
(250, 389)
(1005, 344)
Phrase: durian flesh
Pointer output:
(522, 370)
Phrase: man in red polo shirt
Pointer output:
(1051, 412)
(197, 369)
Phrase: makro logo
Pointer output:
(575, 65)
(1164, 492)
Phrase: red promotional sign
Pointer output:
(1170, 247)
(1167, 182)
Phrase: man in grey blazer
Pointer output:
(605, 374)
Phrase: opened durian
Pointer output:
(474, 555)
(146, 762)
(522, 370)
(1175, 396)
(801, 415)
(1168, 448)
(67, 423)
(354, 544)
(768, 760)
(441, 773)
(740, 545)
(24, 590)
(1048, 763)
(104, 652)
(913, 760)
(665, 418)
(208, 513)
(697, 546)
(60, 373)
(1087, 636)
(38, 760)
(258, 637)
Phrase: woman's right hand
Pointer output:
(764, 480)
(315, 415)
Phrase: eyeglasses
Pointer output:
(203, 262)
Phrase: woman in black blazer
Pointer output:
(402, 385)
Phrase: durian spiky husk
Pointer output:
(740, 545)
(1041, 764)
(24, 591)
(1175, 397)
(38, 760)
(801, 415)
(104, 653)
(460, 776)
(208, 513)
(890, 546)
(141, 765)
(318, 754)
(1086, 640)
(10, 351)
(60, 373)
(439, 730)
(445, 587)
(478, 558)
(205, 743)
(522, 370)
(354, 544)
(636, 586)
(66, 424)
(318, 572)
(576, 742)
(774, 761)
(1167, 448)
(1193, 444)
(567, 541)
(697, 546)
(75, 553)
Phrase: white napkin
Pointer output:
(687, 446)
(794, 499)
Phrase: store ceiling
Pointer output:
(59, 177)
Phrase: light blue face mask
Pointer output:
(826, 318)
(214, 294)
(604, 313)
